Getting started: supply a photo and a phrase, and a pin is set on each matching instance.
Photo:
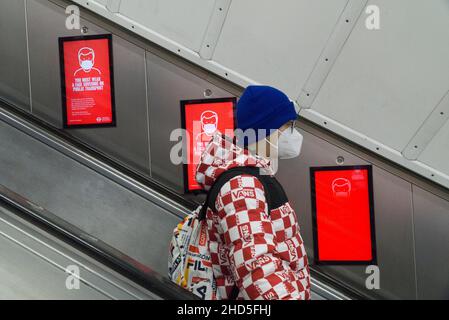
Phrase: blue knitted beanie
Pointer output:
(263, 109)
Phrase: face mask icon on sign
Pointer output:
(209, 122)
(341, 187)
(86, 59)
(87, 65)
(209, 125)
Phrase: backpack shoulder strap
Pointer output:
(277, 196)
(274, 192)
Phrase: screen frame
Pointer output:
(183, 104)
(61, 41)
(369, 170)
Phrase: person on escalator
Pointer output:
(254, 239)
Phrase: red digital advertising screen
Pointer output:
(201, 119)
(87, 81)
(343, 215)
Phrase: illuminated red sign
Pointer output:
(343, 215)
(201, 119)
(87, 81)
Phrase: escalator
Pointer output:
(39, 265)
(62, 204)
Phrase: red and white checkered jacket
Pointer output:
(263, 254)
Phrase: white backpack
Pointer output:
(189, 262)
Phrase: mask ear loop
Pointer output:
(293, 125)
(292, 128)
(272, 144)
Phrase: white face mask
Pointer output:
(289, 144)
(210, 129)
(87, 65)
